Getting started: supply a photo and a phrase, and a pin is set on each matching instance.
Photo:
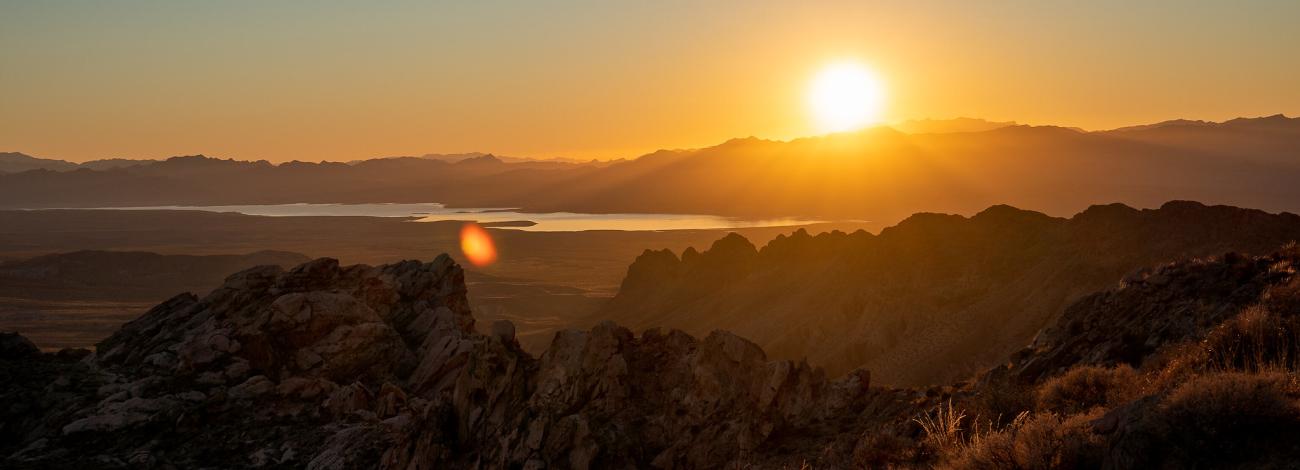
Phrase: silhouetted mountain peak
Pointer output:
(1106, 212)
(1026, 130)
(1273, 122)
(488, 159)
(923, 221)
(731, 245)
(1182, 206)
(1005, 214)
(16, 162)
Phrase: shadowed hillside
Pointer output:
(932, 299)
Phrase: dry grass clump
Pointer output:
(1257, 340)
(1040, 441)
(1225, 419)
(1228, 417)
(946, 428)
(949, 431)
(1284, 299)
(1230, 399)
(1083, 388)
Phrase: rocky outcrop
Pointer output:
(332, 367)
(14, 346)
(1165, 305)
(933, 299)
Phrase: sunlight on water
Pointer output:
(539, 222)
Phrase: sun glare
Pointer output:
(846, 96)
(477, 245)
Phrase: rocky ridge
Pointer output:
(933, 299)
(332, 367)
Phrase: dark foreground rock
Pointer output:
(326, 367)
(331, 367)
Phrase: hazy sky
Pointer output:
(335, 80)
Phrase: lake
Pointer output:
(542, 222)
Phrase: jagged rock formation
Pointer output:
(333, 367)
(933, 299)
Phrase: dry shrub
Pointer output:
(884, 449)
(1085, 387)
(1254, 341)
(1040, 441)
(1173, 365)
(945, 428)
(1284, 299)
(1002, 399)
(1227, 417)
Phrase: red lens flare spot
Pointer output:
(477, 245)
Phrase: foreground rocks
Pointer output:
(330, 367)
(333, 367)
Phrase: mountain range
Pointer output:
(878, 174)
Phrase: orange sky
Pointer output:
(347, 80)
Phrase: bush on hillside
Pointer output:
(1085, 387)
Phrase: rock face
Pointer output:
(333, 367)
(1169, 304)
(15, 347)
(935, 298)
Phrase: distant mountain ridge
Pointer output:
(953, 293)
(13, 162)
(16, 162)
(878, 174)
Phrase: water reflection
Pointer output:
(540, 222)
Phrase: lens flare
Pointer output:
(477, 245)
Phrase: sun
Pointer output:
(846, 96)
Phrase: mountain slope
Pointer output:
(932, 299)
(14, 162)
